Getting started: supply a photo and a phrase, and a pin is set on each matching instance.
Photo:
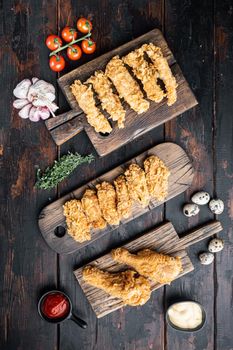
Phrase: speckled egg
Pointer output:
(215, 245)
(216, 206)
(190, 209)
(201, 198)
(206, 258)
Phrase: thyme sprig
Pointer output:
(60, 170)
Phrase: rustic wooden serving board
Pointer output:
(180, 179)
(67, 125)
(163, 239)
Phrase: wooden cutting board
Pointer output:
(69, 124)
(163, 239)
(52, 220)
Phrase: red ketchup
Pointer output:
(55, 305)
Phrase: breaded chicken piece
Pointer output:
(124, 202)
(85, 99)
(136, 182)
(126, 86)
(76, 221)
(107, 201)
(132, 289)
(165, 73)
(157, 175)
(92, 209)
(158, 267)
(109, 101)
(145, 72)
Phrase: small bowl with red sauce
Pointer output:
(55, 307)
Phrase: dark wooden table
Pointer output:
(200, 33)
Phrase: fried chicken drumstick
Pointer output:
(157, 267)
(132, 289)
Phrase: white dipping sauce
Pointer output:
(186, 315)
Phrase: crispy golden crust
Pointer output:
(126, 86)
(133, 290)
(157, 175)
(165, 73)
(77, 224)
(109, 101)
(92, 209)
(136, 182)
(85, 99)
(107, 201)
(146, 73)
(158, 267)
(124, 202)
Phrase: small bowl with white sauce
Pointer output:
(186, 316)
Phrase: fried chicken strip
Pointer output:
(109, 101)
(136, 181)
(107, 201)
(92, 209)
(124, 202)
(146, 73)
(77, 224)
(85, 99)
(165, 73)
(157, 175)
(125, 285)
(126, 86)
(158, 267)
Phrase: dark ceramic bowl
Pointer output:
(189, 330)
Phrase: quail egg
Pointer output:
(201, 198)
(215, 245)
(190, 209)
(216, 206)
(206, 258)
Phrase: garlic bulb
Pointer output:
(35, 99)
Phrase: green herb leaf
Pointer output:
(60, 170)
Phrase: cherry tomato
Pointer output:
(74, 52)
(88, 46)
(53, 42)
(84, 25)
(68, 34)
(57, 63)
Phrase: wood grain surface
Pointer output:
(163, 239)
(52, 217)
(200, 34)
(65, 126)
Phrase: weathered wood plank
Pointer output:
(191, 39)
(180, 179)
(223, 145)
(27, 265)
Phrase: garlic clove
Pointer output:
(53, 107)
(24, 112)
(21, 90)
(44, 87)
(34, 80)
(43, 112)
(34, 115)
(20, 103)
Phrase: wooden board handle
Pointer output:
(197, 235)
(65, 126)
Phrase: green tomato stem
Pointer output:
(69, 44)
